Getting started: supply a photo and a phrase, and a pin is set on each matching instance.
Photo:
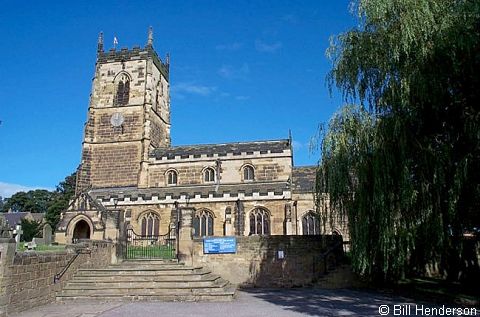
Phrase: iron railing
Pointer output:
(151, 246)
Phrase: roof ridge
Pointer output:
(305, 166)
(225, 143)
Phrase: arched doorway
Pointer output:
(81, 231)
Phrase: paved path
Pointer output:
(255, 302)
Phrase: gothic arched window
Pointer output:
(123, 90)
(172, 178)
(203, 224)
(248, 173)
(259, 222)
(310, 224)
(150, 224)
(209, 175)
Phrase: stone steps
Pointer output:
(138, 290)
(203, 276)
(147, 280)
(143, 284)
(168, 268)
(149, 262)
(140, 272)
(225, 297)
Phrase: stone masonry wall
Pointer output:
(217, 209)
(305, 204)
(190, 171)
(115, 156)
(257, 263)
(131, 129)
(27, 280)
(115, 164)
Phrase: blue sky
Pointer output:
(240, 71)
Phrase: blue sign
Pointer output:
(219, 245)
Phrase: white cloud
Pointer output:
(7, 189)
(267, 47)
(229, 47)
(188, 88)
(231, 72)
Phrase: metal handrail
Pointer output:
(58, 276)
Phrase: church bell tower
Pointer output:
(128, 116)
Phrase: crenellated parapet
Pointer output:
(135, 53)
(192, 194)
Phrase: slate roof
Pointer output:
(175, 192)
(38, 216)
(184, 151)
(15, 218)
(303, 179)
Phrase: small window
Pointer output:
(150, 224)
(123, 91)
(248, 173)
(209, 175)
(203, 224)
(310, 224)
(157, 101)
(259, 222)
(171, 178)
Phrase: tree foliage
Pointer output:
(63, 194)
(43, 201)
(31, 229)
(404, 164)
(36, 200)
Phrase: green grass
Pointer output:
(42, 248)
(151, 251)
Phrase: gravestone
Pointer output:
(31, 245)
(18, 234)
(38, 241)
(5, 231)
(47, 234)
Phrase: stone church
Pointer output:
(131, 174)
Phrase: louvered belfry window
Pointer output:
(123, 91)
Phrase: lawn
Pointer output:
(150, 251)
(42, 248)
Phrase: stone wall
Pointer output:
(304, 204)
(115, 164)
(217, 209)
(112, 156)
(257, 263)
(27, 278)
(268, 167)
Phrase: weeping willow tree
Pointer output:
(403, 163)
